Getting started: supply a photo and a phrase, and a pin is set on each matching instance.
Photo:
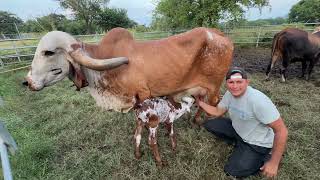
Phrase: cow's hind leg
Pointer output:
(304, 67)
(172, 135)
(311, 65)
(137, 138)
(283, 69)
(273, 60)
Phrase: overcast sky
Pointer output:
(138, 10)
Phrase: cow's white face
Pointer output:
(50, 63)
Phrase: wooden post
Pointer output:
(16, 49)
(257, 43)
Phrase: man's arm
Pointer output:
(270, 168)
(211, 110)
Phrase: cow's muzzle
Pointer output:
(28, 82)
(25, 83)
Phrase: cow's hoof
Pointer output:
(137, 155)
(174, 149)
(162, 164)
(307, 78)
(194, 124)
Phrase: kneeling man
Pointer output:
(255, 126)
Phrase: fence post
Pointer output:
(257, 43)
(16, 49)
(17, 30)
(1, 63)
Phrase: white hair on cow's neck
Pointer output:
(104, 98)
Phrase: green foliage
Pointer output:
(181, 14)
(7, 21)
(85, 10)
(111, 18)
(270, 21)
(53, 22)
(141, 28)
(45, 23)
(305, 11)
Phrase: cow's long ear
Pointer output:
(75, 73)
(77, 76)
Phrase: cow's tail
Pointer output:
(275, 55)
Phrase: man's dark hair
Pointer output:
(235, 70)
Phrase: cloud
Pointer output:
(138, 10)
(279, 8)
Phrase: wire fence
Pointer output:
(18, 49)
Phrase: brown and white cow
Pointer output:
(194, 62)
(150, 113)
(293, 45)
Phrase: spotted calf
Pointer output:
(153, 111)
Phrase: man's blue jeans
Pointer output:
(246, 159)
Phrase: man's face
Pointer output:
(236, 85)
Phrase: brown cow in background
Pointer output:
(293, 45)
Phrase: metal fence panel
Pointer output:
(20, 48)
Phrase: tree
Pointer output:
(8, 22)
(50, 22)
(305, 11)
(111, 18)
(190, 13)
(86, 10)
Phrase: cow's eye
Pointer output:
(48, 53)
(56, 71)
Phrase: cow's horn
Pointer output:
(97, 64)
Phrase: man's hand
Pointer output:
(269, 169)
(197, 100)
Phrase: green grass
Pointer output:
(62, 134)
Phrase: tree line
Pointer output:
(92, 16)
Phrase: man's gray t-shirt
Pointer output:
(250, 115)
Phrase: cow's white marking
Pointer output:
(283, 79)
(104, 98)
(138, 140)
(210, 35)
(162, 109)
(171, 132)
(152, 133)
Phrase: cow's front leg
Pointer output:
(152, 126)
(137, 138)
(172, 135)
(311, 64)
(304, 67)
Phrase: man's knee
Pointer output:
(242, 169)
(217, 124)
(244, 162)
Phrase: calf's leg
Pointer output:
(137, 138)
(152, 126)
(172, 135)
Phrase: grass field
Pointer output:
(62, 134)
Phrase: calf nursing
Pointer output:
(150, 113)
